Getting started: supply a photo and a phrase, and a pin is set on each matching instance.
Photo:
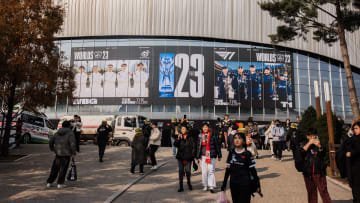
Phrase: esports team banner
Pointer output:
(183, 75)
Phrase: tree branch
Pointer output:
(323, 10)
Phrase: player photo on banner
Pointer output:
(245, 83)
(105, 80)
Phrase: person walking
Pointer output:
(208, 150)
(240, 166)
(146, 131)
(185, 155)
(278, 134)
(154, 144)
(174, 134)
(353, 153)
(63, 143)
(314, 170)
(269, 138)
(102, 138)
(138, 156)
(76, 127)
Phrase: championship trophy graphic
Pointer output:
(166, 75)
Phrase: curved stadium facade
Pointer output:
(203, 58)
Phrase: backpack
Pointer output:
(299, 159)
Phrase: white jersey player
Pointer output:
(123, 81)
(80, 81)
(109, 82)
(140, 80)
(96, 80)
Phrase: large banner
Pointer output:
(183, 75)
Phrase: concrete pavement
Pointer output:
(24, 181)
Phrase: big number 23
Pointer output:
(197, 62)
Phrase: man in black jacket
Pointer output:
(63, 143)
(314, 170)
(102, 138)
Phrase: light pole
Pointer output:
(330, 128)
(317, 99)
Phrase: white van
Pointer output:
(36, 128)
(124, 130)
(90, 124)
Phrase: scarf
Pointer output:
(208, 159)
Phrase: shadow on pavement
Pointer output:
(270, 175)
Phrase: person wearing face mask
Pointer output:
(353, 155)
(278, 134)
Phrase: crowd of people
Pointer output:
(194, 147)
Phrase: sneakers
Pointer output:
(60, 186)
(211, 189)
(154, 167)
(205, 188)
(48, 185)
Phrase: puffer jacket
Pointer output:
(63, 143)
(186, 148)
(215, 151)
(155, 137)
(314, 161)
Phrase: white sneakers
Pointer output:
(205, 188)
(60, 186)
(154, 167)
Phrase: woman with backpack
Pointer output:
(185, 155)
(240, 166)
(353, 153)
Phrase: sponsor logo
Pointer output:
(225, 54)
(85, 101)
(145, 54)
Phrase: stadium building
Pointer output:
(202, 58)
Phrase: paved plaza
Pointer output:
(24, 180)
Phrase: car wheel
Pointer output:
(27, 139)
(123, 144)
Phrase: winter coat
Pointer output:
(313, 161)
(103, 134)
(353, 146)
(63, 143)
(215, 150)
(146, 130)
(186, 148)
(138, 150)
(155, 137)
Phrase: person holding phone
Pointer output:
(208, 150)
(314, 170)
(185, 155)
(102, 138)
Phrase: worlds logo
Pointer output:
(145, 54)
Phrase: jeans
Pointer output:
(101, 150)
(278, 148)
(317, 183)
(172, 145)
(77, 138)
(153, 149)
(184, 169)
(58, 169)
